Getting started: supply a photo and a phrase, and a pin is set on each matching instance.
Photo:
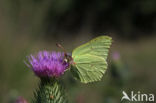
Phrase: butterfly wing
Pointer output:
(89, 68)
(98, 46)
(90, 59)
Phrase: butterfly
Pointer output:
(88, 61)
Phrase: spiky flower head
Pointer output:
(48, 64)
(20, 100)
(116, 56)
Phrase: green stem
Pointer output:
(50, 91)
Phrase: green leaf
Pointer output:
(90, 59)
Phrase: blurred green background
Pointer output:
(27, 26)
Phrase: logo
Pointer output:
(137, 96)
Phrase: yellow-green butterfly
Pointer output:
(88, 61)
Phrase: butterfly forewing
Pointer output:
(98, 46)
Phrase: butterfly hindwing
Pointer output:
(90, 68)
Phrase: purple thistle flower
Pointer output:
(48, 64)
(21, 100)
(116, 55)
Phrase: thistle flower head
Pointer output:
(21, 100)
(116, 56)
(48, 64)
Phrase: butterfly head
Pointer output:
(67, 56)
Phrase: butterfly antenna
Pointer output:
(60, 46)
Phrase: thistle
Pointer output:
(48, 66)
(87, 63)
(20, 100)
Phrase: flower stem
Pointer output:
(50, 91)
